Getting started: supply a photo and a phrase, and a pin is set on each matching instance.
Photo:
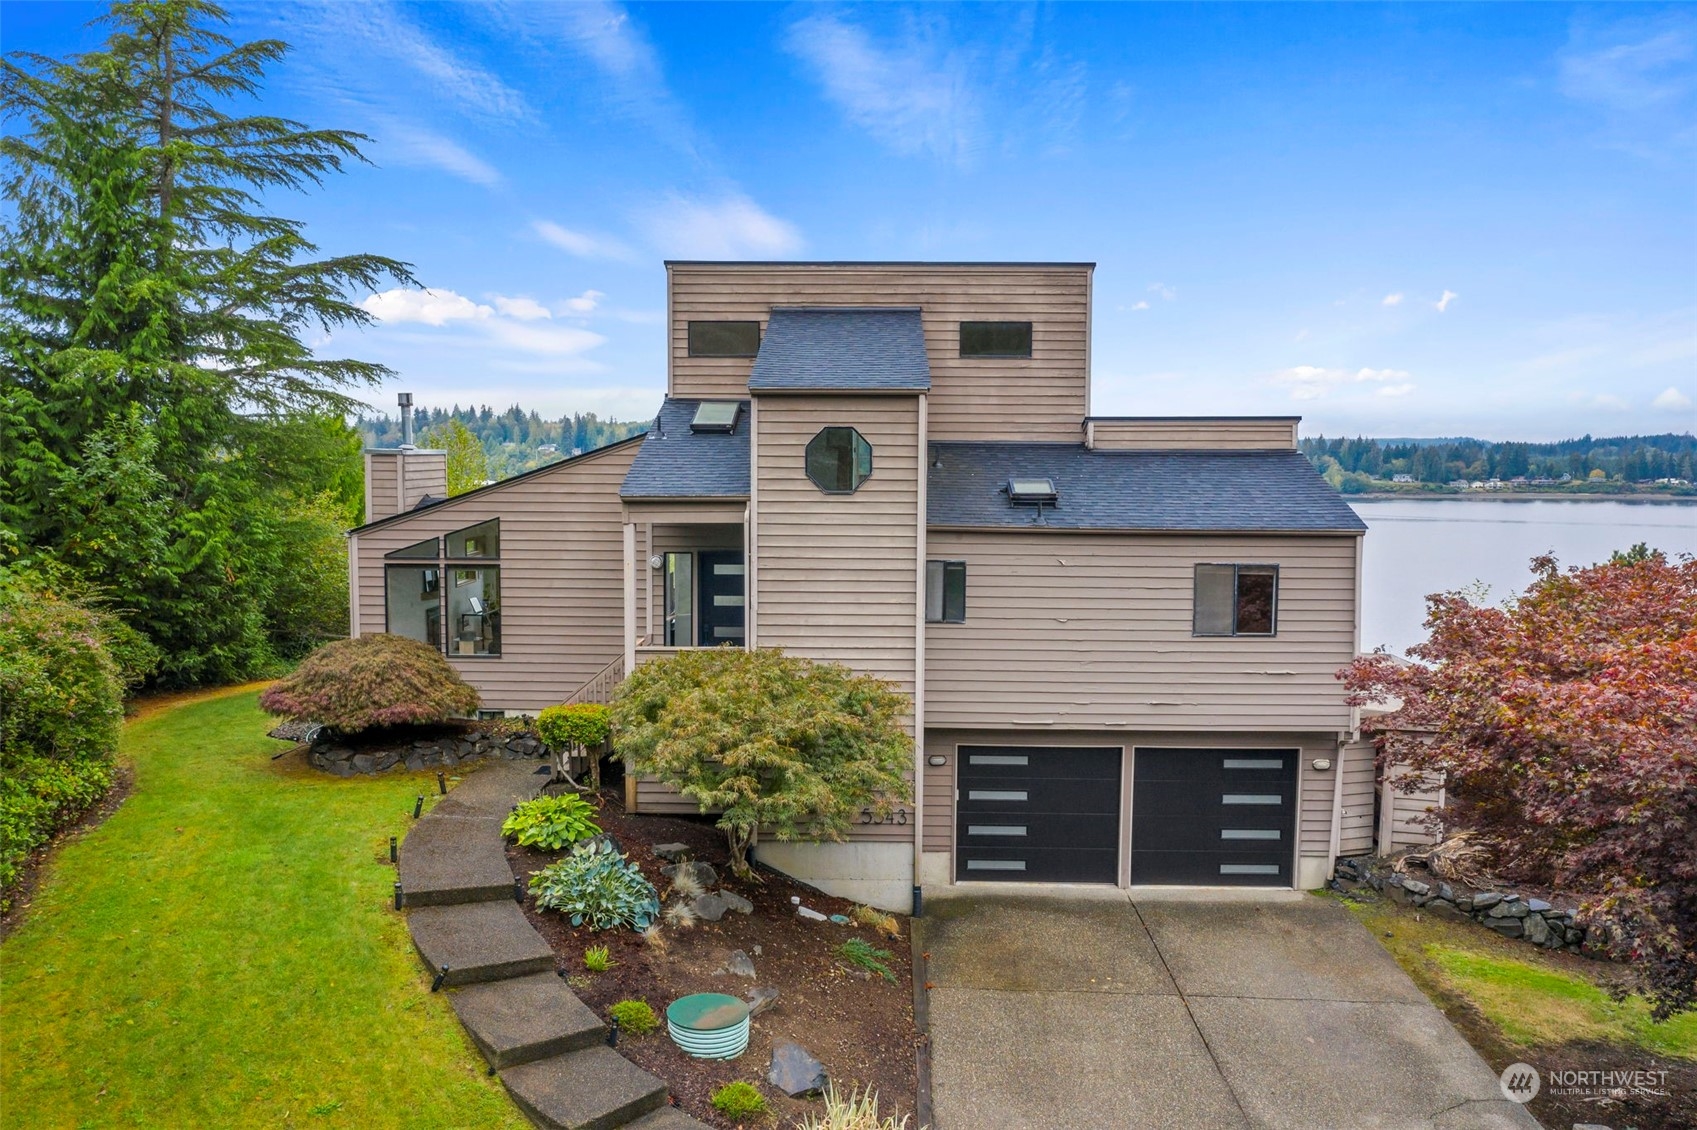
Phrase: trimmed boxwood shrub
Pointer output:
(380, 680)
(61, 706)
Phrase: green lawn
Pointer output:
(223, 952)
(1530, 997)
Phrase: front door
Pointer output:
(722, 597)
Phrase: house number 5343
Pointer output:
(899, 816)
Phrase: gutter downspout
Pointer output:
(924, 460)
(353, 585)
(1337, 809)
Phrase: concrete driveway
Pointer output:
(1186, 1009)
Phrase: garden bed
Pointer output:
(1556, 1011)
(859, 1025)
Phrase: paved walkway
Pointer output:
(1265, 1010)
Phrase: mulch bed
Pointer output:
(856, 1023)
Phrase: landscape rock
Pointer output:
(1538, 906)
(809, 913)
(1415, 886)
(1446, 910)
(1536, 930)
(760, 1000)
(795, 1072)
(1484, 900)
(672, 853)
(709, 907)
(1507, 927)
(739, 965)
(1446, 892)
(736, 902)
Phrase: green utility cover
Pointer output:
(707, 1012)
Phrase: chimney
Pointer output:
(399, 478)
(405, 401)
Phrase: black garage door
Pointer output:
(1043, 813)
(1213, 816)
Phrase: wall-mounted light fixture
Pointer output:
(656, 562)
(1322, 764)
(936, 759)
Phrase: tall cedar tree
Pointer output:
(143, 287)
(1565, 725)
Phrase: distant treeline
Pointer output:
(1362, 463)
(515, 440)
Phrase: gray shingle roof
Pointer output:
(842, 348)
(675, 462)
(1135, 490)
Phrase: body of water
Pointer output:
(1419, 547)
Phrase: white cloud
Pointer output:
(510, 324)
(429, 307)
(1645, 65)
(416, 146)
(1443, 303)
(731, 227)
(1166, 292)
(1310, 382)
(582, 244)
(1671, 399)
(912, 96)
(583, 303)
(524, 309)
(1392, 299)
(382, 27)
(1140, 304)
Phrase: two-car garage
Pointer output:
(1198, 816)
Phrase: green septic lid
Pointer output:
(707, 1012)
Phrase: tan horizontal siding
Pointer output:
(1041, 397)
(1192, 435)
(836, 573)
(1094, 630)
(1314, 804)
(665, 539)
(1404, 816)
(380, 481)
(1355, 828)
(561, 575)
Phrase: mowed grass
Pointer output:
(223, 952)
(1531, 997)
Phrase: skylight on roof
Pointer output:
(716, 416)
(1031, 490)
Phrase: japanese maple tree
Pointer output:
(1565, 723)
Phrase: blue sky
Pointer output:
(1398, 220)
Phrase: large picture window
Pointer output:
(1236, 600)
(839, 460)
(448, 591)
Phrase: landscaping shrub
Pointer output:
(874, 919)
(634, 1017)
(598, 959)
(859, 951)
(597, 886)
(1562, 726)
(380, 680)
(769, 740)
(739, 1100)
(552, 822)
(582, 724)
(61, 706)
(859, 1111)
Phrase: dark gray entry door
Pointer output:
(721, 585)
(1213, 816)
(1038, 813)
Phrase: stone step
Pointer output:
(667, 1118)
(524, 1019)
(478, 941)
(448, 859)
(593, 1089)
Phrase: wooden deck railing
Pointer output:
(602, 684)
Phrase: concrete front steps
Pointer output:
(549, 1049)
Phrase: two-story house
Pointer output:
(1119, 635)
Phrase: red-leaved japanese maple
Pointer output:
(1565, 724)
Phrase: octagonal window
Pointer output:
(839, 460)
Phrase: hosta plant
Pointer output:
(597, 887)
(552, 822)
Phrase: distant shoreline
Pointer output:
(1523, 496)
